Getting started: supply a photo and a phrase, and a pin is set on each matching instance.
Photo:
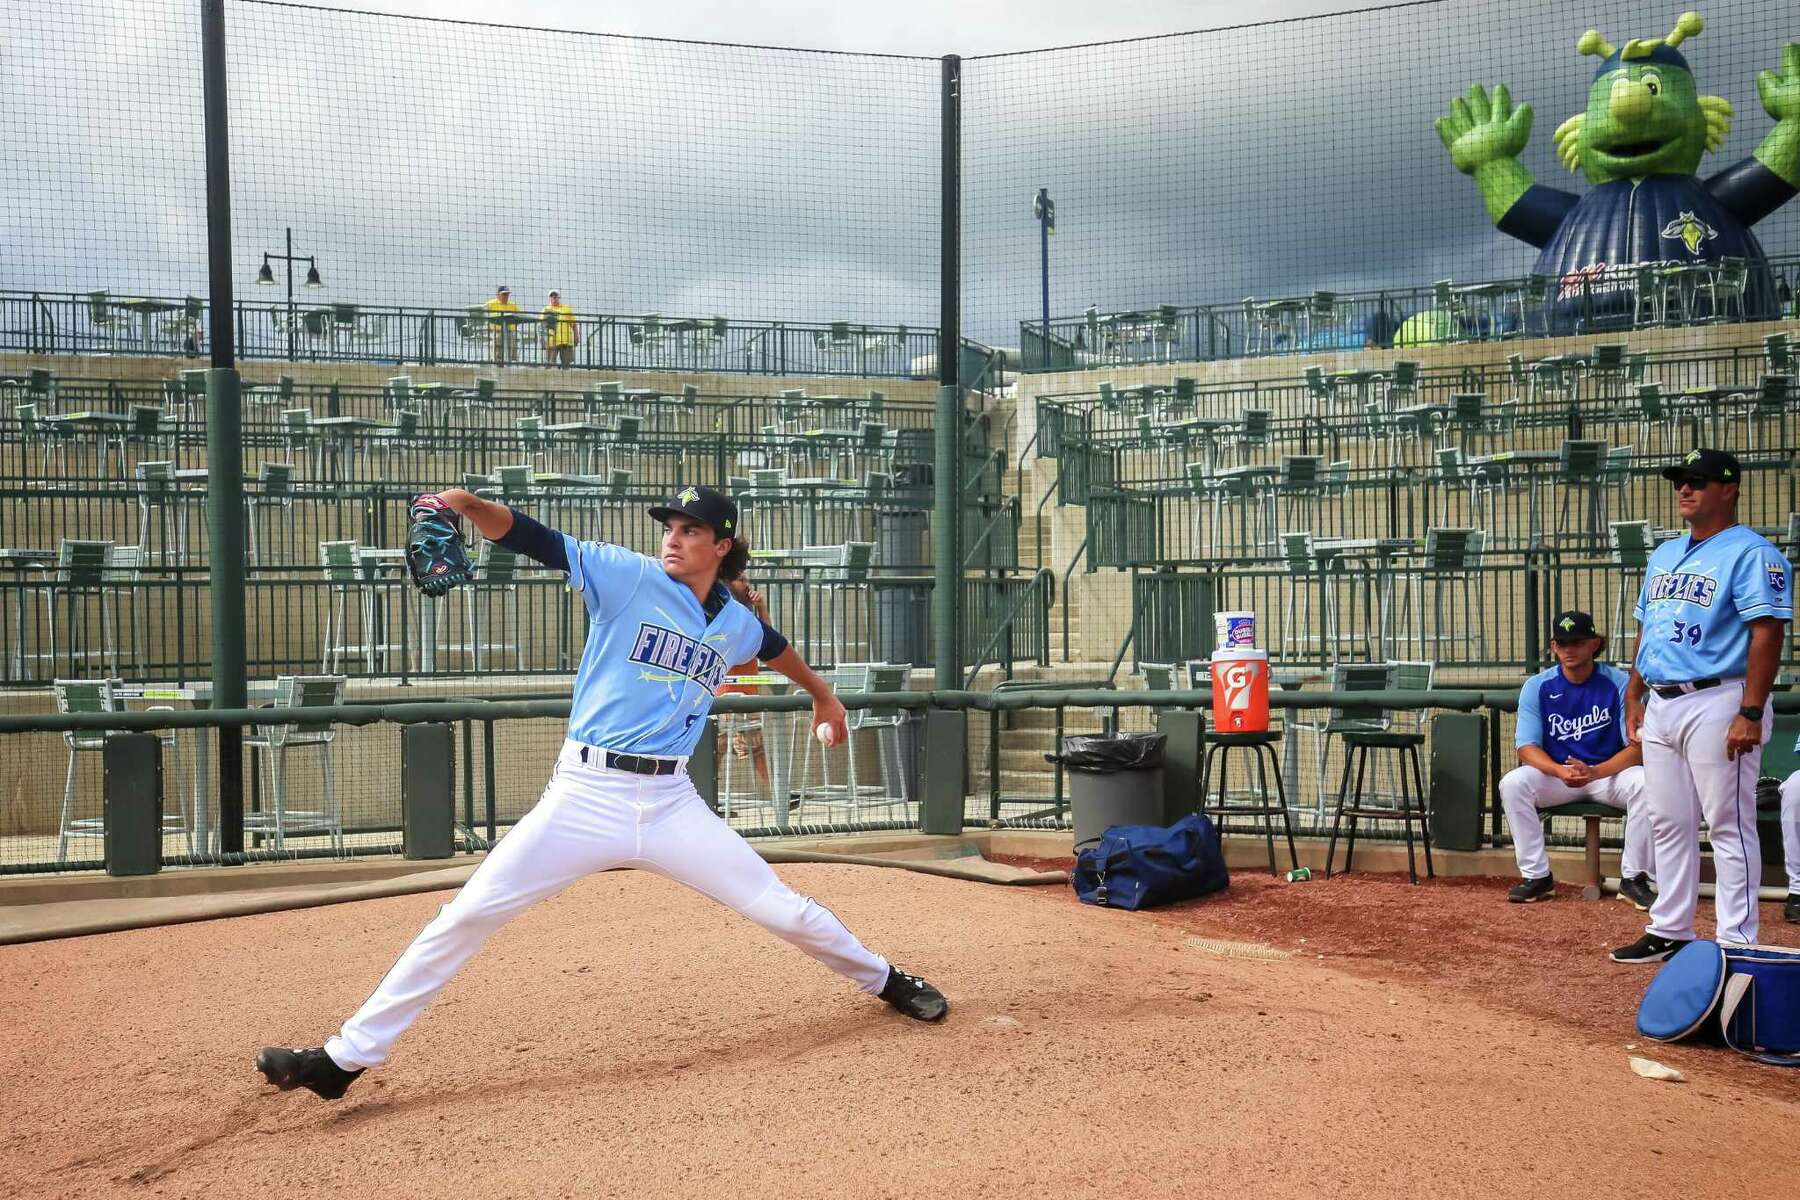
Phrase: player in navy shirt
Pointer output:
(1571, 744)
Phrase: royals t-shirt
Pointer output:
(1584, 721)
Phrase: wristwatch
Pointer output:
(1751, 712)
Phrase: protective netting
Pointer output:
(423, 163)
(1278, 159)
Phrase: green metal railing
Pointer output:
(1604, 302)
(490, 804)
(100, 323)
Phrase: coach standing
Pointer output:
(1710, 620)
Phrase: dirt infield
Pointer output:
(629, 1038)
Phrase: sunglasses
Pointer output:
(1690, 481)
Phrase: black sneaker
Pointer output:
(311, 1069)
(1636, 891)
(913, 996)
(1792, 910)
(1528, 890)
(1648, 949)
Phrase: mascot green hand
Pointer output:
(1639, 142)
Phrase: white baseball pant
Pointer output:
(1525, 789)
(594, 819)
(1689, 777)
(1790, 830)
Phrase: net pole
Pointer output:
(947, 582)
(224, 444)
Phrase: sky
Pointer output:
(425, 162)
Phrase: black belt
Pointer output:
(1675, 690)
(637, 764)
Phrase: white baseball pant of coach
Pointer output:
(592, 818)
(1790, 830)
(1690, 777)
(1525, 789)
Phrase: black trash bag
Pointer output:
(1111, 753)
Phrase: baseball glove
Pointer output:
(436, 557)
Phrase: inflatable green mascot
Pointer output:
(1639, 143)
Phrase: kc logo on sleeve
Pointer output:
(1777, 576)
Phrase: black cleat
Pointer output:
(1648, 949)
(1636, 891)
(1791, 911)
(913, 996)
(1527, 890)
(311, 1069)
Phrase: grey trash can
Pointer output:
(1114, 779)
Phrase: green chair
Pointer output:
(162, 508)
(106, 321)
(1630, 543)
(1402, 384)
(1778, 354)
(496, 577)
(1318, 387)
(280, 819)
(1724, 288)
(81, 575)
(1584, 466)
(1331, 723)
(274, 494)
(96, 696)
(348, 579)
(1451, 559)
(300, 438)
(1446, 300)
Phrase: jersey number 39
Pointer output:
(1684, 632)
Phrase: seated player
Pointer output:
(1571, 744)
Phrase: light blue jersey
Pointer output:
(1697, 598)
(1584, 721)
(653, 658)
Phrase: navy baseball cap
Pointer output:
(1573, 626)
(1705, 466)
(703, 504)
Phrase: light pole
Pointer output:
(1044, 209)
(266, 277)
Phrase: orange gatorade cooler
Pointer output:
(1240, 687)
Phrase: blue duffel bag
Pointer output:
(1141, 866)
(1746, 996)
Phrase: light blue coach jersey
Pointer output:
(1585, 721)
(1696, 599)
(653, 660)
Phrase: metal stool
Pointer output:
(1357, 745)
(1220, 746)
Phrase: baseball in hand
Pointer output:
(825, 733)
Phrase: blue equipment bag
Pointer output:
(1753, 991)
(1140, 866)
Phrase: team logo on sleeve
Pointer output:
(1777, 576)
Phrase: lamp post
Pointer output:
(266, 277)
(1044, 209)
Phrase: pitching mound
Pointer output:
(629, 1038)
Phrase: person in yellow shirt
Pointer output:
(560, 334)
(505, 333)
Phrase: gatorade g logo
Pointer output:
(1237, 680)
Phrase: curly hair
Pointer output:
(736, 559)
